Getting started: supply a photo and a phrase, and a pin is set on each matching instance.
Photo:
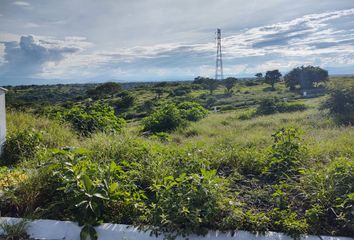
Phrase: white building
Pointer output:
(2, 118)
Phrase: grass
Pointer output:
(14, 230)
(55, 134)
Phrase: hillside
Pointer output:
(257, 160)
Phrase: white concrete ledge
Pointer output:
(65, 230)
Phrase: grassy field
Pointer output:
(216, 173)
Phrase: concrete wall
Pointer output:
(2, 119)
(52, 229)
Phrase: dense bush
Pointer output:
(329, 196)
(192, 111)
(341, 103)
(274, 105)
(165, 119)
(90, 118)
(285, 155)
(104, 90)
(171, 117)
(21, 145)
(125, 101)
(187, 204)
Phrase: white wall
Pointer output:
(2, 119)
(58, 230)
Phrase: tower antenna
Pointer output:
(219, 75)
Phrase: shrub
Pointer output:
(192, 111)
(285, 155)
(21, 145)
(289, 222)
(267, 106)
(247, 114)
(165, 119)
(186, 204)
(341, 103)
(10, 178)
(14, 230)
(125, 101)
(91, 190)
(330, 195)
(91, 118)
(274, 105)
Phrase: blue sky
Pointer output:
(78, 41)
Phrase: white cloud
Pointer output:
(31, 25)
(22, 3)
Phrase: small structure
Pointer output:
(2, 118)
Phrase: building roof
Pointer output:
(3, 89)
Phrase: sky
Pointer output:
(84, 41)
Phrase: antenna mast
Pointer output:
(219, 75)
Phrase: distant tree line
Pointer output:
(304, 77)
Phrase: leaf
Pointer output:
(99, 195)
(81, 203)
(86, 182)
(113, 187)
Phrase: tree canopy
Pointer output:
(271, 77)
(105, 89)
(306, 77)
(229, 83)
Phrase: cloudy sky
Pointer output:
(76, 41)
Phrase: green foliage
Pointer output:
(165, 119)
(14, 230)
(271, 77)
(229, 83)
(285, 155)
(289, 222)
(170, 117)
(247, 114)
(21, 145)
(341, 102)
(192, 111)
(104, 90)
(186, 204)
(208, 83)
(125, 101)
(90, 118)
(305, 77)
(330, 195)
(274, 105)
(89, 189)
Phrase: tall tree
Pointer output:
(211, 84)
(306, 77)
(259, 76)
(272, 77)
(105, 89)
(229, 83)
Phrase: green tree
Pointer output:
(165, 119)
(90, 118)
(159, 92)
(211, 84)
(306, 77)
(229, 83)
(341, 102)
(272, 77)
(105, 89)
(259, 76)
